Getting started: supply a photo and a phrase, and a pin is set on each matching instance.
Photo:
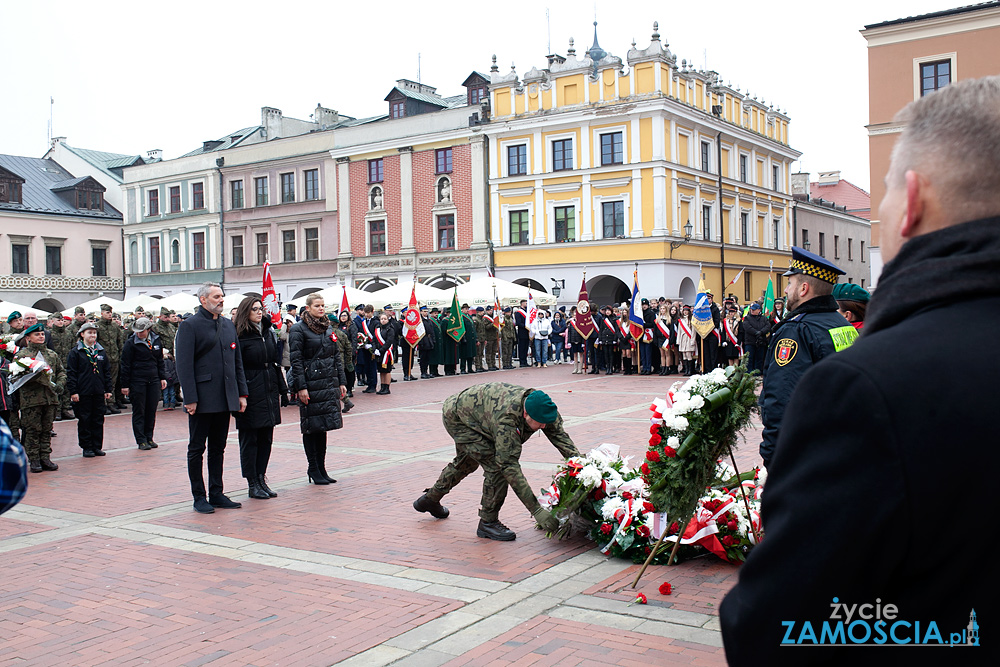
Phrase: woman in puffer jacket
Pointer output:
(266, 393)
(318, 380)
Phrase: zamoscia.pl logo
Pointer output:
(875, 624)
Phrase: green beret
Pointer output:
(540, 407)
(106, 307)
(41, 327)
(851, 292)
(79, 310)
(14, 315)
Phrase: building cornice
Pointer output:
(932, 27)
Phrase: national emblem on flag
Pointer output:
(413, 323)
(636, 322)
(270, 299)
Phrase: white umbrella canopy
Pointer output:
(231, 301)
(8, 307)
(180, 303)
(332, 296)
(94, 305)
(479, 292)
(129, 305)
(399, 296)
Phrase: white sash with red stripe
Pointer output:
(684, 328)
(607, 321)
(732, 336)
(379, 337)
(365, 330)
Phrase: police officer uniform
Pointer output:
(807, 334)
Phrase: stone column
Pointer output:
(406, 199)
(344, 206)
(479, 185)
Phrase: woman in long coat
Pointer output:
(266, 393)
(319, 381)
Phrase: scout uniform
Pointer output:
(39, 398)
(807, 334)
(488, 426)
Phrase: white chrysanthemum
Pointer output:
(614, 479)
(697, 402)
(612, 505)
(590, 476)
(673, 442)
(637, 487)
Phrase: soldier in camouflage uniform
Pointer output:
(79, 319)
(166, 331)
(480, 325)
(62, 342)
(346, 354)
(508, 337)
(39, 399)
(491, 338)
(490, 423)
(112, 338)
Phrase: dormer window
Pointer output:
(89, 200)
(476, 89)
(476, 95)
(397, 109)
(10, 187)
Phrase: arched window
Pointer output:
(175, 252)
(133, 257)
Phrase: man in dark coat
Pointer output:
(755, 329)
(812, 330)
(426, 345)
(210, 369)
(523, 336)
(437, 354)
(890, 454)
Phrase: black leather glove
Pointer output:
(284, 400)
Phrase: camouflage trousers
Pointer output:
(37, 424)
(507, 352)
(472, 451)
(115, 391)
(491, 353)
(479, 355)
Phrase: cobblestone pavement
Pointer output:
(107, 563)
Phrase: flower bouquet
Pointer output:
(582, 481)
(8, 346)
(25, 369)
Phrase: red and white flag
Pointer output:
(270, 300)
(344, 304)
(414, 324)
(532, 311)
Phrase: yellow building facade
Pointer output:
(599, 165)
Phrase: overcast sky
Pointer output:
(130, 76)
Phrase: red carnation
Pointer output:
(598, 493)
(606, 528)
(644, 468)
(673, 528)
(647, 506)
(666, 588)
(654, 439)
(640, 598)
(670, 452)
(626, 495)
(728, 540)
(655, 428)
(642, 531)
(653, 455)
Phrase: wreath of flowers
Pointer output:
(8, 348)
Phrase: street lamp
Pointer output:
(558, 286)
(674, 245)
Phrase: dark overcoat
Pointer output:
(265, 381)
(317, 367)
(209, 363)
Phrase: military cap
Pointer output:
(506, 309)
(14, 315)
(165, 312)
(106, 307)
(55, 316)
(141, 324)
(138, 309)
(387, 306)
(38, 326)
(809, 264)
(79, 310)
(540, 407)
(480, 309)
(86, 326)
(423, 308)
(851, 292)
(290, 307)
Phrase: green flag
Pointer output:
(769, 298)
(456, 325)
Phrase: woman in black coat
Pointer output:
(318, 378)
(266, 393)
(143, 379)
(385, 342)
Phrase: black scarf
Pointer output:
(950, 265)
(316, 325)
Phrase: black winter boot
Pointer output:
(254, 490)
(320, 454)
(312, 472)
(262, 482)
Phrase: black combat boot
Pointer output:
(253, 486)
(436, 509)
(262, 483)
(495, 530)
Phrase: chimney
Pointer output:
(154, 155)
(57, 140)
(800, 186)
(324, 117)
(406, 84)
(828, 178)
(270, 119)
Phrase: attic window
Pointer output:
(92, 200)
(398, 109)
(10, 192)
(476, 95)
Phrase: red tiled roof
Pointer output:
(844, 193)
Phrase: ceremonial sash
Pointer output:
(489, 319)
(623, 325)
(366, 331)
(387, 358)
(524, 313)
(607, 320)
(379, 337)
(647, 335)
(663, 328)
(718, 336)
(731, 336)
(684, 328)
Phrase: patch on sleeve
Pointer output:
(843, 337)
(785, 351)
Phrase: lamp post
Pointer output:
(674, 245)
(558, 286)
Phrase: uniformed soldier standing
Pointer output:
(79, 319)
(39, 398)
(166, 330)
(62, 342)
(481, 325)
(811, 330)
(489, 423)
(508, 336)
(491, 338)
(111, 337)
